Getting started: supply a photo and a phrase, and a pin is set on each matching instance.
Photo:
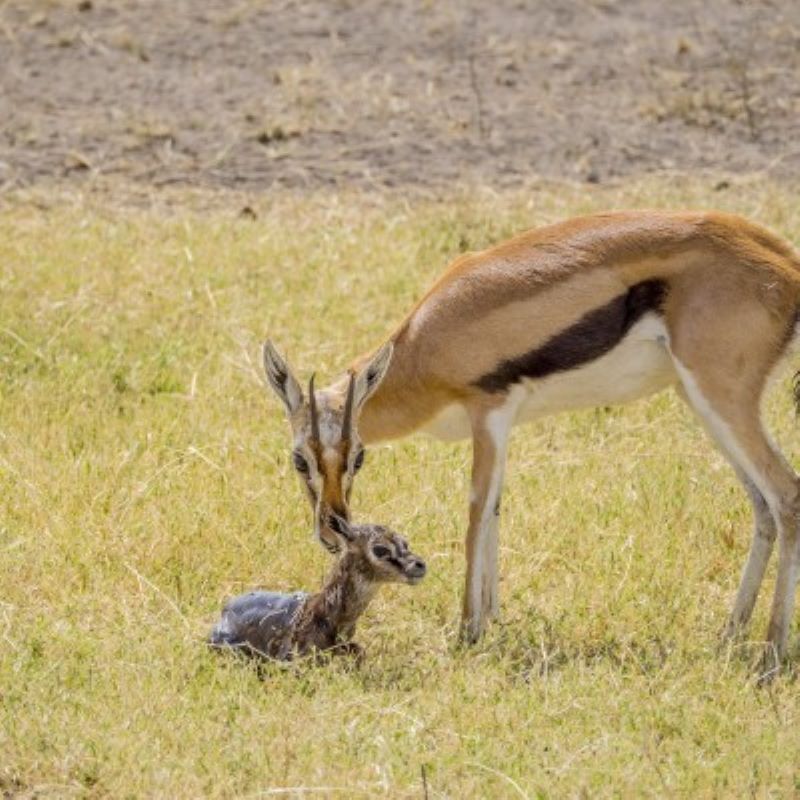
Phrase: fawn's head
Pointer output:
(326, 449)
(381, 553)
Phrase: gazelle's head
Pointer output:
(381, 554)
(326, 449)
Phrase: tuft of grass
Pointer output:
(144, 477)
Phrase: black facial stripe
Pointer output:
(586, 340)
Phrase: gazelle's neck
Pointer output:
(402, 403)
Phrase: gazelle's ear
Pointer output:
(369, 378)
(281, 379)
(341, 527)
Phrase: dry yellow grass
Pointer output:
(145, 476)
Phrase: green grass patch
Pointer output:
(144, 477)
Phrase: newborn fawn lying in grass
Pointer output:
(283, 626)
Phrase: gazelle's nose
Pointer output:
(326, 537)
(324, 510)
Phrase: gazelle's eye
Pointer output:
(379, 551)
(300, 464)
(359, 461)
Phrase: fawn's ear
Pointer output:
(368, 380)
(281, 379)
(341, 527)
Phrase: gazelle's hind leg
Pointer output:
(727, 401)
(764, 533)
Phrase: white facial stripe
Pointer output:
(330, 456)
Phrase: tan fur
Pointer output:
(733, 291)
(492, 305)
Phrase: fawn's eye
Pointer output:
(379, 551)
(300, 464)
(359, 461)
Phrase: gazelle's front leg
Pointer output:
(490, 431)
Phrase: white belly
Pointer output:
(638, 366)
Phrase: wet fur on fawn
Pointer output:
(285, 626)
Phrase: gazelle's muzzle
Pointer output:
(322, 532)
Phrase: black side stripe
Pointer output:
(590, 337)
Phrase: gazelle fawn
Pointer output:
(592, 311)
(282, 626)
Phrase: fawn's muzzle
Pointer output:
(415, 570)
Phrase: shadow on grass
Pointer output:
(540, 648)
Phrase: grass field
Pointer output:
(145, 477)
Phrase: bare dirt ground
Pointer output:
(414, 93)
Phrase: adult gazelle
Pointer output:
(596, 310)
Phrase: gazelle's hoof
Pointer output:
(732, 634)
(769, 665)
(471, 631)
